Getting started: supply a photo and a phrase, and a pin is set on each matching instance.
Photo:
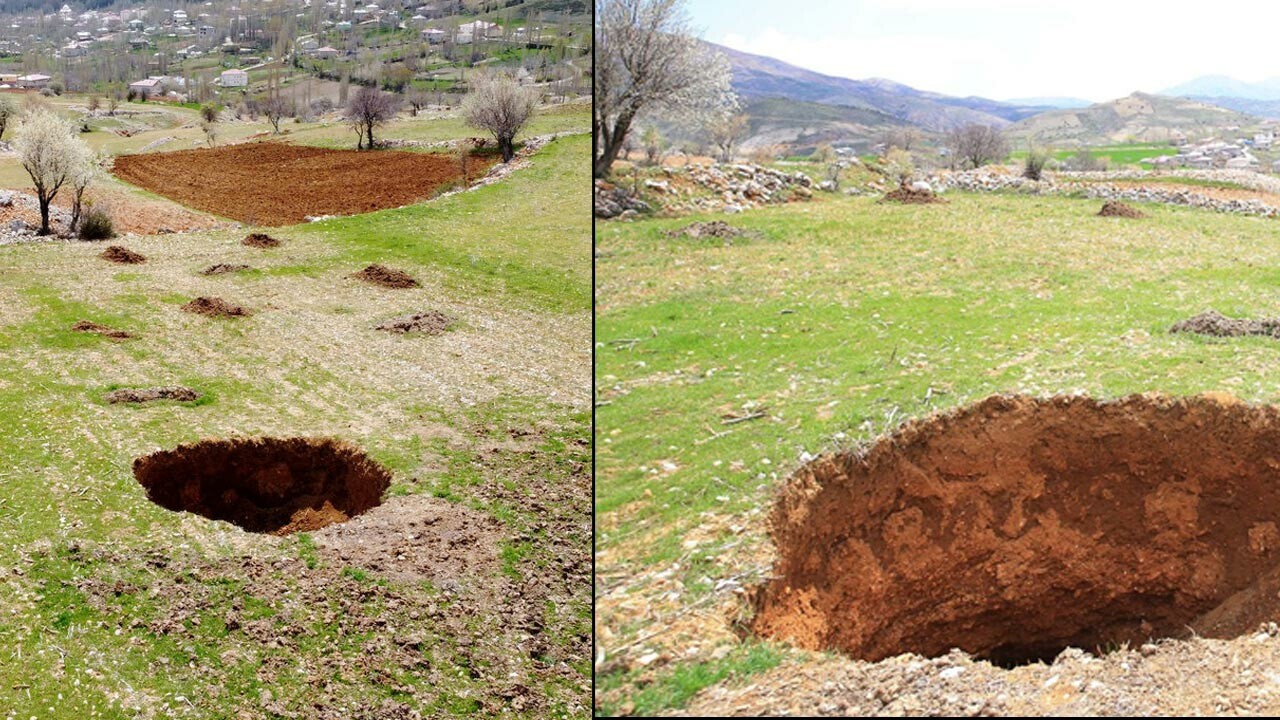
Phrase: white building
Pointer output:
(233, 78)
(146, 88)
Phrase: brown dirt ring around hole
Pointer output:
(265, 485)
(1015, 528)
(260, 240)
(121, 254)
(386, 277)
(215, 307)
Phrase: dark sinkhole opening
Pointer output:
(265, 485)
(1016, 528)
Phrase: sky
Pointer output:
(1000, 49)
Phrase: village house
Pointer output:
(146, 88)
(34, 81)
(434, 36)
(326, 53)
(233, 78)
(480, 30)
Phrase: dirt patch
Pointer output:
(260, 240)
(215, 307)
(222, 269)
(909, 196)
(1115, 208)
(88, 326)
(1015, 528)
(271, 183)
(714, 229)
(143, 395)
(386, 277)
(121, 254)
(267, 485)
(432, 322)
(1215, 323)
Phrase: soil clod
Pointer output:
(714, 229)
(1016, 527)
(121, 254)
(911, 196)
(432, 322)
(1215, 323)
(266, 485)
(223, 268)
(1115, 208)
(215, 307)
(260, 240)
(386, 277)
(89, 326)
(143, 395)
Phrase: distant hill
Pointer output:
(1260, 108)
(756, 77)
(804, 125)
(1222, 86)
(1139, 118)
(1058, 103)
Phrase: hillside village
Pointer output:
(197, 52)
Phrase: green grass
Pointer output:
(1115, 155)
(845, 317)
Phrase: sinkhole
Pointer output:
(1017, 527)
(265, 485)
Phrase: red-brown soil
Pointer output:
(432, 322)
(271, 183)
(267, 485)
(260, 240)
(223, 268)
(1115, 208)
(1017, 527)
(93, 327)
(142, 395)
(215, 307)
(386, 277)
(907, 196)
(1215, 323)
(121, 254)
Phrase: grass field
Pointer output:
(722, 366)
(114, 607)
(1116, 155)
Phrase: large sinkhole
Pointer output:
(1016, 527)
(265, 485)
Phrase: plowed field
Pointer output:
(276, 184)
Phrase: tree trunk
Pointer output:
(44, 215)
(370, 136)
(508, 151)
(611, 144)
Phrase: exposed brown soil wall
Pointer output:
(1017, 527)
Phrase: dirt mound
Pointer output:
(1215, 323)
(1115, 208)
(267, 485)
(93, 327)
(1015, 528)
(272, 183)
(909, 196)
(222, 268)
(121, 254)
(386, 277)
(715, 229)
(260, 240)
(142, 395)
(215, 307)
(432, 322)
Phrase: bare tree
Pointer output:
(274, 107)
(976, 145)
(52, 155)
(647, 61)
(81, 177)
(726, 132)
(501, 106)
(654, 144)
(417, 99)
(902, 138)
(369, 109)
